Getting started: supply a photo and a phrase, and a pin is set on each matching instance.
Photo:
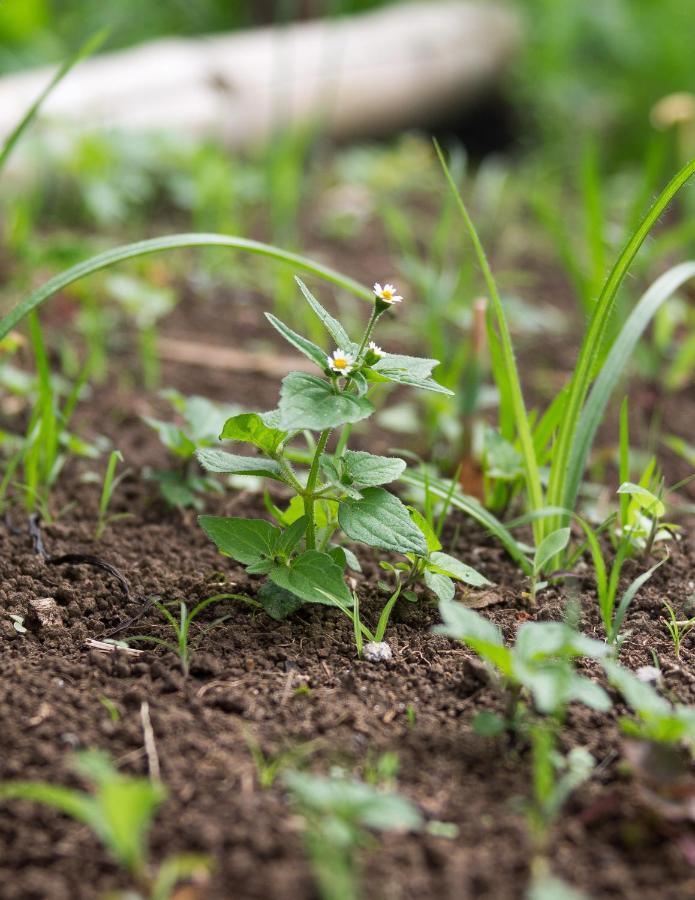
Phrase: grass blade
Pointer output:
(512, 382)
(620, 353)
(469, 505)
(176, 242)
(593, 341)
(89, 47)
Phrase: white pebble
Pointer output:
(649, 674)
(377, 651)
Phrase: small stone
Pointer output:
(377, 651)
(44, 613)
(649, 674)
(689, 605)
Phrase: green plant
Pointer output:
(339, 813)
(658, 720)
(341, 489)
(182, 626)
(554, 778)
(47, 442)
(109, 485)
(677, 628)
(579, 407)
(607, 584)
(119, 810)
(540, 663)
(183, 486)
(270, 765)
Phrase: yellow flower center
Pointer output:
(340, 363)
(386, 295)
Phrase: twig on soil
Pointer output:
(150, 745)
(85, 559)
(96, 562)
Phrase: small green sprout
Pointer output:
(270, 765)
(613, 612)
(677, 628)
(541, 662)
(342, 490)
(339, 813)
(184, 485)
(119, 810)
(111, 482)
(182, 626)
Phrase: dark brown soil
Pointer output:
(298, 686)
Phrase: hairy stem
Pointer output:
(309, 496)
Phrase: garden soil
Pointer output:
(295, 690)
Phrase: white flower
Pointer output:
(376, 350)
(341, 361)
(387, 293)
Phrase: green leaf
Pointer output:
(488, 724)
(304, 345)
(291, 536)
(413, 371)
(502, 460)
(549, 547)
(233, 464)
(454, 568)
(315, 578)
(251, 428)
(366, 469)
(379, 519)
(310, 402)
(441, 585)
(433, 542)
(465, 624)
(477, 633)
(645, 499)
(246, 540)
(334, 473)
(332, 326)
(471, 507)
(278, 602)
(173, 437)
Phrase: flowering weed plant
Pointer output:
(342, 490)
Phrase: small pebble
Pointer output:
(375, 652)
(649, 674)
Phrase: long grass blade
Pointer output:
(469, 505)
(512, 381)
(620, 353)
(591, 347)
(89, 47)
(176, 242)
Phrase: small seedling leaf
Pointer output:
(647, 501)
(441, 585)
(549, 547)
(251, 428)
(454, 568)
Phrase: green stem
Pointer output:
(309, 497)
(368, 332)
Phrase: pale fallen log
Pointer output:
(358, 76)
(229, 359)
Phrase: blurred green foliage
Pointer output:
(39, 31)
(598, 68)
